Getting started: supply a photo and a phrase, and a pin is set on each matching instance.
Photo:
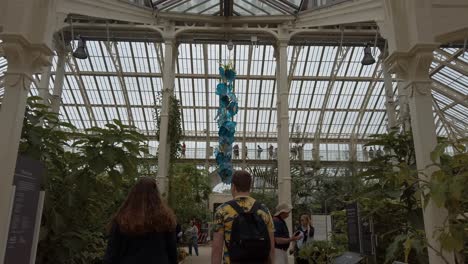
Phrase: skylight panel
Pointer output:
(93, 96)
(73, 86)
(98, 64)
(463, 57)
(332, 100)
(82, 65)
(321, 87)
(123, 114)
(149, 113)
(111, 113)
(304, 100)
(317, 101)
(356, 102)
(99, 114)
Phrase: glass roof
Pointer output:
(331, 94)
(240, 7)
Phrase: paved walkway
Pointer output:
(203, 258)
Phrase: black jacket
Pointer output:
(151, 248)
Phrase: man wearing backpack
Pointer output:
(243, 226)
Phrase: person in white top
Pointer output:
(192, 233)
(306, 230)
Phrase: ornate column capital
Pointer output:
(23, 56)
(413, 68)
(413, 64)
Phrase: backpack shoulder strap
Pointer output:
(236, 206)
(255, 207)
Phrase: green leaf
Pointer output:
(407, 245)
(438, 194)
(451, 241)
(115, 177)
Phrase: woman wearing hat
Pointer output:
(282, 239)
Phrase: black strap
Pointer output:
(240, 210)
(255, 207)
(236, 206)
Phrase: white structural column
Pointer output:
(24, 59)
(404, 119)
(284, 173)
(58, 82)
(413, 68)
(389, 99)
(44, 85)
(167, 92)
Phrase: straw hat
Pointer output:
(283, 208)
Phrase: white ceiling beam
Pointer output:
(450, 93)
(448, 58)
(377, 74)
(238, 77)
(340, 56)
(72, 65)
(113, 52)
(344, 13)
(108, 9)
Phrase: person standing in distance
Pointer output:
(307, 231)
(243, 226)
(282, 239)
(192, 233)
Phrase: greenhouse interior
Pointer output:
(353, 113)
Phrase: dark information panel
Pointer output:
(28, 176)
(352, 215)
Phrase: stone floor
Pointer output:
(204, 256)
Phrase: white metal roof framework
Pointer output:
(332, 96)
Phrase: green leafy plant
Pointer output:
(191, 190)
(339, 236)
(448, 188)
(88, 175)
(320, 252)
(389, 194)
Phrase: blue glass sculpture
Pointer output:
(228, 108)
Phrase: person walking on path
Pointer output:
(282, 239)
(192, 234)
(259, 152)
(242, 221)
(144, 228)
(270, 152)
(184, 148)
(371, 153)
(236, 151)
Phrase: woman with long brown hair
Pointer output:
(143, 229)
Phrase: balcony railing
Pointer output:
(253, 154)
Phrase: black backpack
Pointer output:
(250, 240)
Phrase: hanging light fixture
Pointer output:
(230, 45)
(368, 58)
(81, 51)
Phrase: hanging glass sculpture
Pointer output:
(227, 127)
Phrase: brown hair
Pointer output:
(307, 216)
(144, 211)
(242, 180)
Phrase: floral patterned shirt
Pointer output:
(225, 215)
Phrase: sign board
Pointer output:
(322, 226)
(27, 179)
(352, 215)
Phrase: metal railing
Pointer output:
(254, 154)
